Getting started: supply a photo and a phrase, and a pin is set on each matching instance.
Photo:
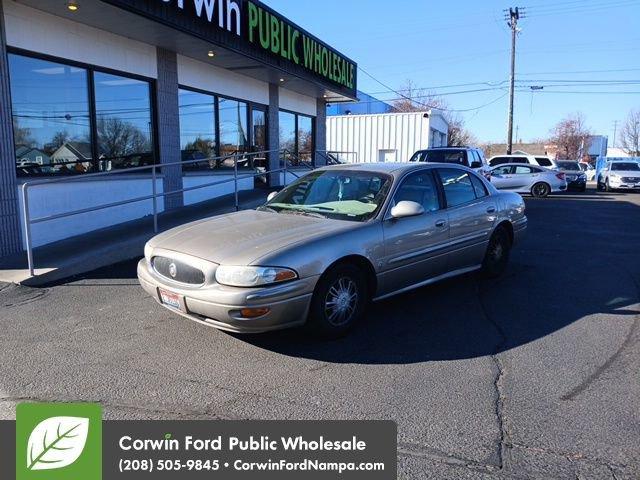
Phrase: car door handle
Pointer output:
(441, 223)
(491, 210)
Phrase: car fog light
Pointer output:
(254, 312)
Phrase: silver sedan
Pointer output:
(325, 246)
(524, 178)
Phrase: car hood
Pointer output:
(243, 237)
(626, 173)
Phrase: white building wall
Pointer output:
(37, 31)
(201, 75)
(297, 102)
(383, 137)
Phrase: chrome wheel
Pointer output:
(341, 301)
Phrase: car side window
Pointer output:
(499, 161)
(457, 185)
(418, 157)
(419, 187)
(478, 186)
(506, 170)
(543, 162)
(520, 170)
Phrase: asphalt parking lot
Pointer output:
(533, 375)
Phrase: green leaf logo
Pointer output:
(57, 442)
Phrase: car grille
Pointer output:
(631, 179)
(177, 271)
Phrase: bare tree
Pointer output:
(420, 100)
(22, 136)
(630, 134)
(119, 138)
(59, 138)
(572, 137)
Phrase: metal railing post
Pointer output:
(155, 199)
(27, 228)
(284, 156)
(235, 180)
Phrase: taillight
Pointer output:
(561, 176)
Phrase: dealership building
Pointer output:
(95, 86)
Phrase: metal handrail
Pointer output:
(332, 154)
(28, 221)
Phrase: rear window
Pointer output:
(544, 162)
(459, 157)
(573, 166)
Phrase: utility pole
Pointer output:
(615, 132)
(512, 17)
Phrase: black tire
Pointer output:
(583, 189)
(599, 186)
(334, 309)
(541, 190)
(497, 255)
(607, 187)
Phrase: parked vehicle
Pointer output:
(537, 181)
(589, 170)
(619, 175)
(317, 252)
(466, 156)
(576, 178)
(539, 160)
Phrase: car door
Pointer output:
(524, 177)
(502, 177)
(472, 214)
(415, 247)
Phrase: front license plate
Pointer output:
(171, 299)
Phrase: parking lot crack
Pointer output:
(504, 437)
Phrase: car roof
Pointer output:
(390, 167)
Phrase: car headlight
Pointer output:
(253, 276)
(614, 175)
(147, 251)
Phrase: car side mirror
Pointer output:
(476, 164)
(406, 209)
(271, 196)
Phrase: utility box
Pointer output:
(389, 137)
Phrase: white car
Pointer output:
(539, 160)
(523, 178)
(589, 170)
(620, 175)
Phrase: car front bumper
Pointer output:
(219, 305)
(617, 184)
(577, 184)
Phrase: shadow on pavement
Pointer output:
(580, 258)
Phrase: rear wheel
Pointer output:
(339, 301)
(541, 190)
(496, 258)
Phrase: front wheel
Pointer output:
(541, 190)
(338, 302)
(607, 186)
(496, 257)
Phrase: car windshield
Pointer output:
(445, 156)
(336, 194)
(569, 166)
(625, 166)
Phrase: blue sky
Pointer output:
(573, 43)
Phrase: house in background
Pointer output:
(31, 156)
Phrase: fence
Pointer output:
(285, 158)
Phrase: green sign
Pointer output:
(58, 441)
(274, 34)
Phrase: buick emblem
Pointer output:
(173, 270)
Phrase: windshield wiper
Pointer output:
(304, 212)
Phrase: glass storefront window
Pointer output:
(233, 128)
(123, 121)
(288, 131)
(305, 138)
(197, 128)
(51, 119)
(296, 136)
(259, 133)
